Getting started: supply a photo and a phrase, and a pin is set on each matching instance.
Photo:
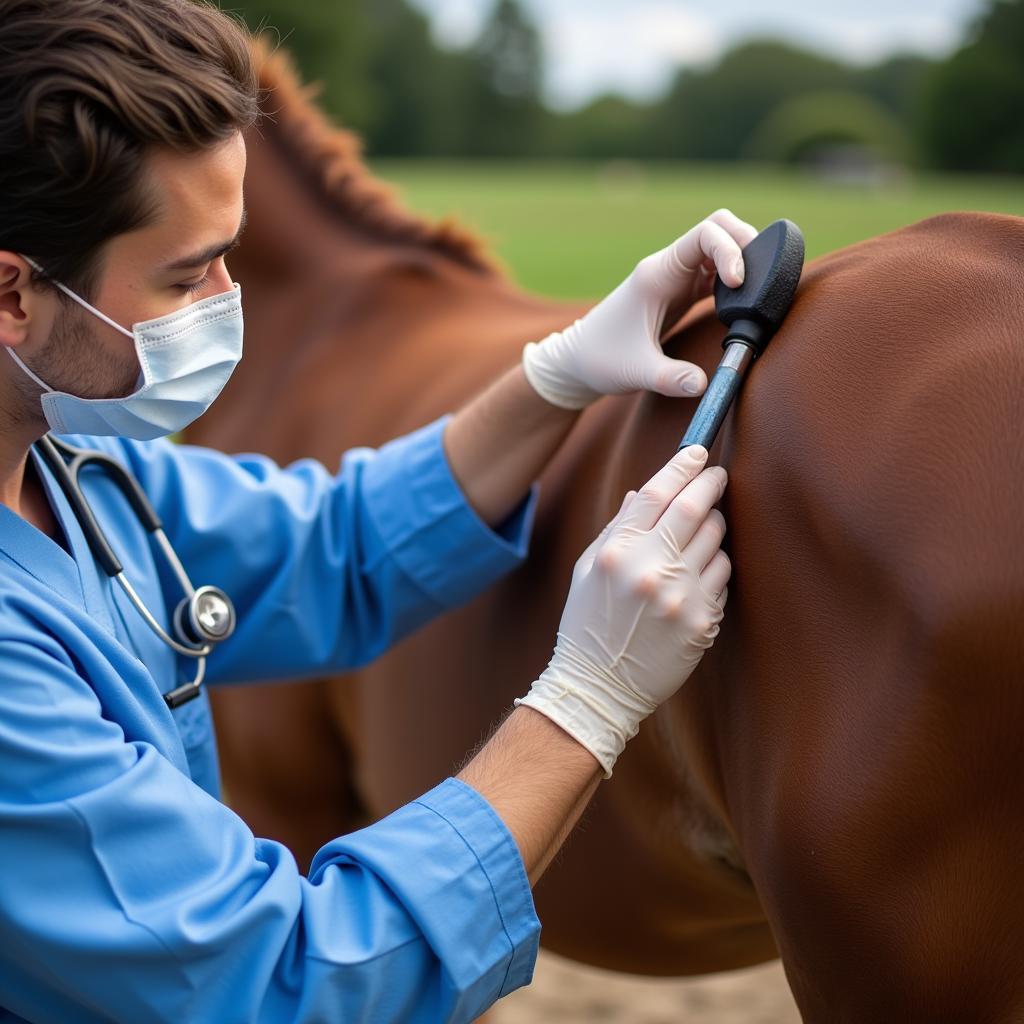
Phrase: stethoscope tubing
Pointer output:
(66, 462)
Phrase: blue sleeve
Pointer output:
(326, 572)
(129, 894)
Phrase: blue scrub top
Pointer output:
(128, 891)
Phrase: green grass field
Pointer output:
(573, 231)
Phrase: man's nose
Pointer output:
(220, 279)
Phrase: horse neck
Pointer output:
(294, 232)
(337, 313)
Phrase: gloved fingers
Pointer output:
(706, 542)
(743, 232)
(706, 244)
(675, 378)
(663, 488)
(714, 578)
(586, 560)
(691, 506)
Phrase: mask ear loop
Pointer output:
(38, 380)
(77, 298)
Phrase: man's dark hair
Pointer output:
(87, 89)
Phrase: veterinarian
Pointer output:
(128, 891)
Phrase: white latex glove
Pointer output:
(644, 605)
(616, 347)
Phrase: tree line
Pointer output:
(383, 75)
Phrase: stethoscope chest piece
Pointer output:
(205, 617)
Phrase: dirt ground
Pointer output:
(565, 993)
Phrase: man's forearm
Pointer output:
(501, 442)
(538, 779)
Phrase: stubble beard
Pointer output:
(74, 361)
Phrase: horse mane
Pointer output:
(331, 157)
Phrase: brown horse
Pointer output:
(840, 781)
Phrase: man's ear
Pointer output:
(19, 301)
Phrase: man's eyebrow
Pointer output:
(208, 255)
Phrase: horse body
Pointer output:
(870, 685)
(839, 780)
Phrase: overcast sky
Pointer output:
(632, 46)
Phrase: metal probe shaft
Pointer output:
(715, 402)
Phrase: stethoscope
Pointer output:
(204, 617)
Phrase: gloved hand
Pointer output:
(645, 602)
(616, 347)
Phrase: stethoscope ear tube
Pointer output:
(49, 448)
(203, 618)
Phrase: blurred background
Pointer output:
(579, 135)
(582, 134)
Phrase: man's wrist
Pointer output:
(588, 702)
(501, 442)
(528, 737)
(542, 369)
(583, 720)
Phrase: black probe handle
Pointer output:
(773, 262)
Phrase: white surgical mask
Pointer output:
(186, 359)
